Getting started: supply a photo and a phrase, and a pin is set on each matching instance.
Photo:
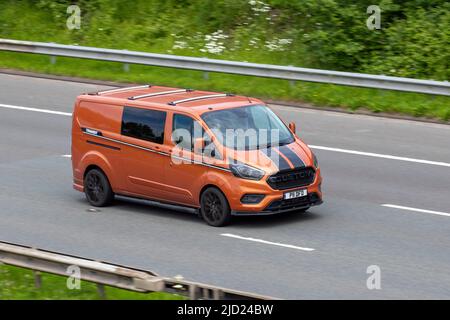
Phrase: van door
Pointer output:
(143, 156)
(185, 173)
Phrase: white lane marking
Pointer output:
(361, 153)
(378, 155)
(36, 110)
(266, 242)
(66, 156)
(416, 210)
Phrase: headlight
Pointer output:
(244, 171)
(316, 162)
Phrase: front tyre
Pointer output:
(215, 209)
(97, 189)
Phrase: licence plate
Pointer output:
(295, 194)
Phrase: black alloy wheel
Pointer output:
(97, 188)
(214, 208)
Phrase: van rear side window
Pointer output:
(144, 124)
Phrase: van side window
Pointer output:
(183, 131)
(144, 124)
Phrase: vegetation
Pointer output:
(329, 34)
(19, 284)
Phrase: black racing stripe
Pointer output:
(292, 156)
(278, 160)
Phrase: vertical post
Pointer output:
(101, 291)
(37, 279)
(205, 75)
(52, 59)
(126, 67)
(205, 294)
(192, 292)
(217, 294)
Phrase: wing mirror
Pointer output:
(292, 127)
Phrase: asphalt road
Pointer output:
(349, 232)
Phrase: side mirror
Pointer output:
(292, 127)
(199, 145)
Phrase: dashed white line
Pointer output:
(378, 155)
(416, 210)
(66, 156)
(266, 242)
(361, 153)
(7, 106)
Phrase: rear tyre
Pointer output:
(97, 189)
(215, 209)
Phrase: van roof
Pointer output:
(170, 98)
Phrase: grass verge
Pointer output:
(18, 284)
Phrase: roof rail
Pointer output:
(119, 89)
(161, 93)
(211, 96)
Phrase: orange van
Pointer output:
(220, 154)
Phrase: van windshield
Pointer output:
(247, 128)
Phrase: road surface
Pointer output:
(386, 191)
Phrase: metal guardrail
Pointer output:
(114, 275)
(232, 67)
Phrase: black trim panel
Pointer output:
(103, 145)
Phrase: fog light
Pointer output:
(252, 198)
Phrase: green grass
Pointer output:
(386, 101)
(18, 284)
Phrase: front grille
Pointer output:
(291, 204)
(292, 178)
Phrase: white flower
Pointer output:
(277, 44)
(285, 41)
(180, 45)
(259, 6)
(214, 43)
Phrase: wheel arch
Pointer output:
(91, 167)
(96, 160)
(210, 185)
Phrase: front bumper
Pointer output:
(282, 205)
(273, 201)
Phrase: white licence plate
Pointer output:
(295, 194)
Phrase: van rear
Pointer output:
(91, 119)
